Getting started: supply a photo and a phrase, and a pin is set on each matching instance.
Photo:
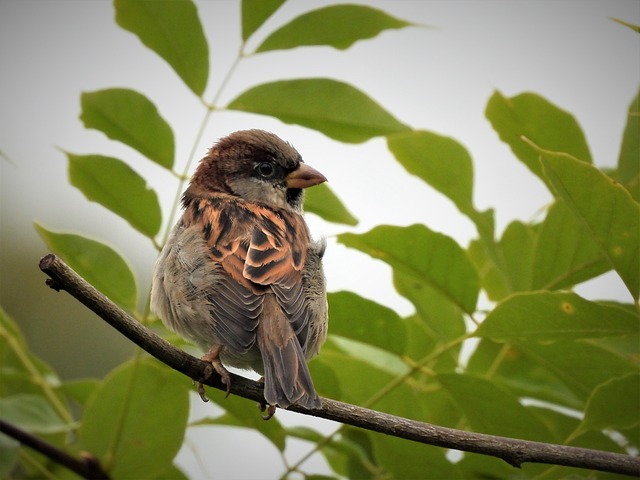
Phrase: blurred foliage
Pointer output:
(540, 341)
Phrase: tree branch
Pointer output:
(87, 467)
(513, 451)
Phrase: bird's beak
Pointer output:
(304, 176)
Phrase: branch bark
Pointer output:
(87, 467)
(513, 451)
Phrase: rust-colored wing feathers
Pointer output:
(268, 258)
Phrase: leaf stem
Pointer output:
(36, 376)
(30, 460)
(110, 455)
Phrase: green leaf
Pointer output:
(523, 375)
(96, 262)
(80, 390)
(379, 358)
(350, 454)
(484, 466)
(440, 161)
(406, 399)
(565, 254)
(131, 118)
(346, 369)
(628, 172)
(323, 202)
(534, 117)
(255, 13)
(490, 408)
(366, 321)
(136, 421)
(172, 30)
(9, 456)
(614, 404)
(346, 453)
(547, 316)
(117, 187)
(607, 210)
(325, 379)
(517, 246)
(171, 473)
(635, 28)
(241, 412)
(32, 413)
(411, 460)
(564, 429)
(434, 310)
(336, 109)
(492, 279)
(505, 266)
(338, 26)
(425, 256)
(10, 329)
(21, 372)
(581, 365)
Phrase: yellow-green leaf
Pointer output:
(97, 263)
(606, 209)
(628, 172)
(323, 202)
(547, 125)
(632, 26)
(614, 404)
(240, 412)
(338, 26)
(440, 161)
(135, 422)
(172, 30)
(366, 321)
(425, 256)
(334, 108)
(32, 413)
(255, 13)
(131, 118)
(116, 186)
(565, 254)
(553, 316)
(491, 408)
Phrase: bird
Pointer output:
(240, 275)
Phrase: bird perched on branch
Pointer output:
(239, 275)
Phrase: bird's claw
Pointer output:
(202, 393)
(212, 358)
(270, 409)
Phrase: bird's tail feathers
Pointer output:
(287, 380)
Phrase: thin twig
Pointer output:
(513, 451)
(87, 467)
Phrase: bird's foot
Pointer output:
(212, 357)
(265, 407)
(269, 409)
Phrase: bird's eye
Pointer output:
(266, 169)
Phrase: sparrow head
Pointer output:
(257, 166)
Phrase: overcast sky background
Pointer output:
(438, 79)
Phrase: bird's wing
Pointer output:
(260, 250)
(234, 302)
(276, 256)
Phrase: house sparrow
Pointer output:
(239, 275)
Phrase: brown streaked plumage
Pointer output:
(239, 275)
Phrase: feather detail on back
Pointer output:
(263, 260)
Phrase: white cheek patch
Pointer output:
(254, 190)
